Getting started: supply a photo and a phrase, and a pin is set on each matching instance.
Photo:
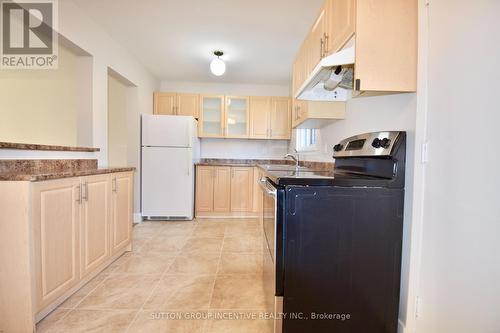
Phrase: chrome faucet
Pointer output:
(295, 158)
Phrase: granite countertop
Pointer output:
(239, 162)
(29, 146)
(40, 170)
(37, 177)
(318, 166)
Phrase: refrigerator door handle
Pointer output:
(189, 167)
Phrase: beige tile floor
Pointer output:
(201, 277)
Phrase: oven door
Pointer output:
(270, 224)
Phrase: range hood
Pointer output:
(332, 79)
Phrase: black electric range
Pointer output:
(331, 234)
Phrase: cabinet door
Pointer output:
(316, 42)
(222, 189)
(241, 189)
(56, 227)
(96, 218)
(260, 111)
(280, 118)
(257, 190)
(205, 188)
(164, 103)
(122, 206)
(341, 16)
(211, 123)
(237, 117)
(188, 105)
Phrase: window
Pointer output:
(307, 139)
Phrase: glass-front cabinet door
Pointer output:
(237, 117)
(211, 122)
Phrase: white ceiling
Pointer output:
(175, 39)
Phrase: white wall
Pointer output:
(117, 122)
(39, 106)
(234, 148)
(459, 269)
(106, 53)
(252, 149)
(225, 88)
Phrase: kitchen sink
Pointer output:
(281, 167)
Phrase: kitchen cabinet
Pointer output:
(270, 118)
(280, 120)
(257, 191)
(164, 103)
(122, 203)
(95, 222)
(317, 41)
(176, 104)
(237, 117)
(341, 24)
(242, 189)
(222, 189)
(212, 117)
(56, 239)
(205, 188)
(385, 44)
(64, 231)
(313, 114)
(260, 115)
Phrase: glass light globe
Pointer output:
(218, 67)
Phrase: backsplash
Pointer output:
(243, 149)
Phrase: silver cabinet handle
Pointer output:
(114, 185)
(327, 41)
(321, 48)
(85, 195)
(79, 197)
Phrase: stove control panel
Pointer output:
(368, 144)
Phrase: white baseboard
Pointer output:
(137, 217)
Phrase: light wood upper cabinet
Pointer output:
(341, 23)
(317, 41)
(242, 189)
(222, 189)
(205, 188)
(56, 239)
(95, 221)
(188, 105)
(211, 123)
(122, 187)
(270, 118)
(280, 119)
(176, 104)
(164, 103)
(237, 119)
(385, 43)
(260, 114)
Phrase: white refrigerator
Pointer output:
(169, 149)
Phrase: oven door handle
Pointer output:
(267, 188)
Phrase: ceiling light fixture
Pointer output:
(217, 66)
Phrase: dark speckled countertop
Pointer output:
(319, 166)
(30, 146)
(40, 170)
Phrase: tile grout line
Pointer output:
(155, 287)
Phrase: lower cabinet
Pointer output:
(122, 204)
(95, 212)
(241, 189)
(79, 224)
(56, 239)
(225, 191)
